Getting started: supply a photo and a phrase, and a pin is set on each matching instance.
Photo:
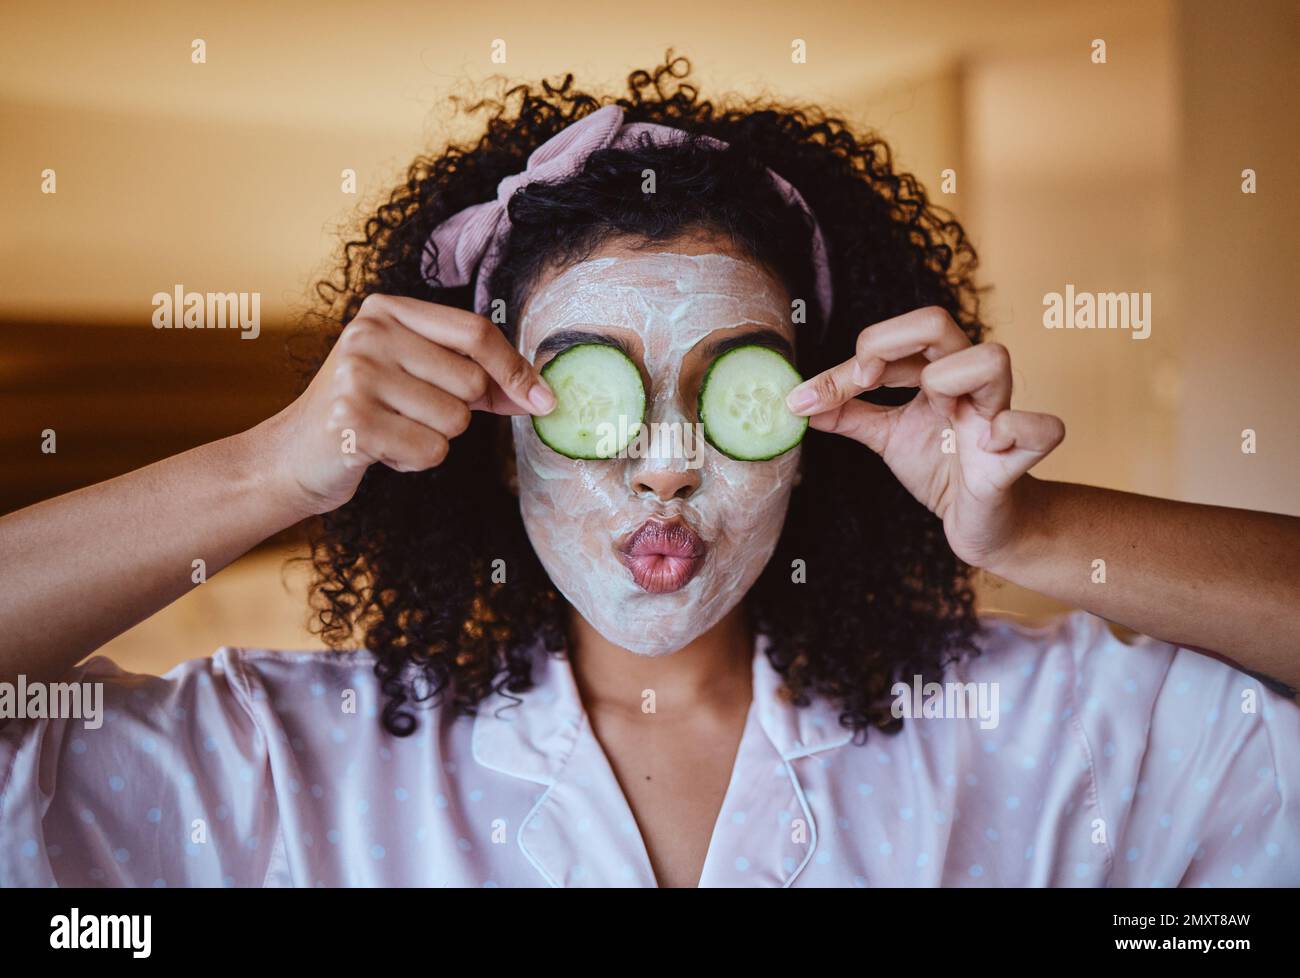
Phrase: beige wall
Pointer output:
(1072, 166)
(237, 160)
(1239, 254)
(146, 202)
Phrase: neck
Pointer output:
(714, 671)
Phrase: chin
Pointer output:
(655, 652)
(652, 626)
(651, 648)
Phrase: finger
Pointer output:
(1025, 430)
(383, 435)
(497, 401)
(412, 447)
(863, 422)
(928, 333)
(422, 402)
(902, 373)
(475, 337)
(982, 373)
(845, 379)
(386, 341)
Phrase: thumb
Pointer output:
(497, 401)
(863, 422)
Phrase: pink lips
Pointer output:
(662, 555)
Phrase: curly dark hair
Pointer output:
(407, 562)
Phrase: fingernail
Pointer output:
(541, 398)
(801, 399)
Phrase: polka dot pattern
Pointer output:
(1109, 766)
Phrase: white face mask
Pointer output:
(578, 512)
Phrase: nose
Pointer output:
(666, 483)
(666, 460)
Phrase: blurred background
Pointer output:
(226, 176)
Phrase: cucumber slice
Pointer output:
(595, 386)
(742, 404)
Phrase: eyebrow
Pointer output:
(563, 339)
(759, 337)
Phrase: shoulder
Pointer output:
(290, 671)
(233, 673)
(1106, 662)
(1075, 633)
(1076, 648)
(312, 691)
(329, 705)
(1057, 654)
(1061, 685)
(1100, 669)
(236, 690)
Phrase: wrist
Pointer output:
(260, 459)
(1031, 525)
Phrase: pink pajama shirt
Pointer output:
(1109, 765)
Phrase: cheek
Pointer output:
(564, 503)
(751, 497)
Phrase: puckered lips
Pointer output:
(662, 554)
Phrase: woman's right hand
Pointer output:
(398, 385)
(396, 388)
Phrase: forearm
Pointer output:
(81, 568)
(1212, 578)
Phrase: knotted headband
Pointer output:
(474, 237)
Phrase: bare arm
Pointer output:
(1212, 578)
(399, 384)
(82, 568)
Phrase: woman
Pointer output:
(666, 668)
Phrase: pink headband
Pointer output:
(474, 237)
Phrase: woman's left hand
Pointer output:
(958, 446)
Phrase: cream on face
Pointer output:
(577, 512)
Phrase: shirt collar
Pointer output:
(581, 830)
(531, 735)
